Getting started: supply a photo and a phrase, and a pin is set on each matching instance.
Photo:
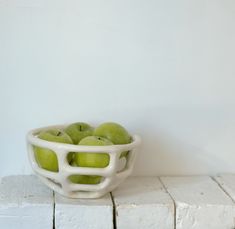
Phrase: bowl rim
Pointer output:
(32, 139)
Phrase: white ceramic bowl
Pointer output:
(112, 175)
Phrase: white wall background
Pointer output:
(164, 69)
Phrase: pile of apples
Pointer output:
(81, 133)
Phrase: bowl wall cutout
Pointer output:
(110, 176)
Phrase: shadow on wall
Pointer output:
(166, 155)
(192, 142)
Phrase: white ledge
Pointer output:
(195, 202)
(25, 203)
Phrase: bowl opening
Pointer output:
(85, 179)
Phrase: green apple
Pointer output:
(94, 160)
(47, 158)
(78, 131)
(116, 133)
(84, 179)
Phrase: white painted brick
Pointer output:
(227, 182)
(25, 203)
(142, 203)
(83, 213)
(200, 203)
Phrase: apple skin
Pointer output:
(78, 131)
(94, 160)
(85, 179)
(116, 133)
(47, 158)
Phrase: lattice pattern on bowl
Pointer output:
(59, 182)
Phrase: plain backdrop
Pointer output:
(163, 69)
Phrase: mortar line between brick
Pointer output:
(114, 212)
(171, 198)
(53, 210)
(222, 188)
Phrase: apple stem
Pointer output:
(80, 127)
(58, 134)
